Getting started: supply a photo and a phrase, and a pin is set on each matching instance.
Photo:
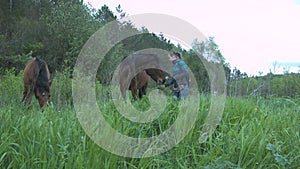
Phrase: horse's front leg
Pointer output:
(141, 93)
(134, 93)
(144, 88)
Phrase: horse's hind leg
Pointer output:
(27, 94)
(24, 94)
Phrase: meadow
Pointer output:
(255, 132)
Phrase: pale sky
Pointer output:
(251, 34)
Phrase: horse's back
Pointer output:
(30, 71)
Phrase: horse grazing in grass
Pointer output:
(134, 71)
(36, 80)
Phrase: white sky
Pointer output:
(251, 34)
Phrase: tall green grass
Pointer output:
(253, 133)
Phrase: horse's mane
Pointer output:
(42, 77)
(124, 58)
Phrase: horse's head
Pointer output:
(43, 96)
(157, 75)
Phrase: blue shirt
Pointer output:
(180, 74)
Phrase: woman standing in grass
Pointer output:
(180, 76)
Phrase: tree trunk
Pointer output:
(10, 5)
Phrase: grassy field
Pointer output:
(254, 133)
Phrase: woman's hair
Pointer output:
(177, 54)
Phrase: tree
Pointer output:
(69, 25)
(120, 11)
(104, 15)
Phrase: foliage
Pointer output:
(57, 30)
(270, 85)
(254, 132)
(69, 25)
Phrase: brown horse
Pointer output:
(134, 70)
(139, 84)
(36, 79)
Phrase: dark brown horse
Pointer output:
(139, 84)
(36, 79)
(134, 70)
